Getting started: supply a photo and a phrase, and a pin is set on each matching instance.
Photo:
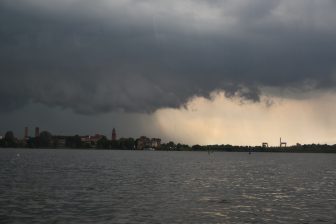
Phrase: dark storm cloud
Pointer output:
(138, 56)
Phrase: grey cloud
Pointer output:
(138, 56)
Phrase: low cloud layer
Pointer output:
(138, 56)
(227, 121)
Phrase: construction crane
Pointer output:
(283, 143)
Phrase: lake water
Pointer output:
(82, 186)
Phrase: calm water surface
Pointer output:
(78, 186)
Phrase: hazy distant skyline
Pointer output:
(207, 72)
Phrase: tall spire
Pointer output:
(37, 132)
(114, 134)
(25, 133)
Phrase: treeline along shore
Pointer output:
(46, 140)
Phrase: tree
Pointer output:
(115, 144)
(196, 147)
(171, 145)
(127, 143)
(182, 147)
(9, 140)
(103, 143)
(73, 142)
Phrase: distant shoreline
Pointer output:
(45, 140)
(214, 148)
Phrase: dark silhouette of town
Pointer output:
(46, 140)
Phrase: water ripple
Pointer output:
(60, 186)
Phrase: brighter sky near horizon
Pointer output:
(229, 121)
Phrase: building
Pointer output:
(156, 143)
(143, 143)
(114, 135)
(91, 141)
(60, 141)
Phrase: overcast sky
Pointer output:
(229, 71)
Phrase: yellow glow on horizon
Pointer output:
(229, 121)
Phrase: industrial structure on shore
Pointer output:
(282, 144)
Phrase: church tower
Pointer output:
(114, 135)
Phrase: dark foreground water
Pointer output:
(64, 186)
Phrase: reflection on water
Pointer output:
(60, 186)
